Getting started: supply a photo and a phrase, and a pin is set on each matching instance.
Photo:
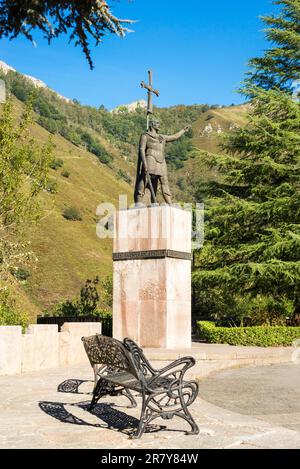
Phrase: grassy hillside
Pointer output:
(69, 252)
(208, 133)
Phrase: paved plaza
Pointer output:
(240, 408)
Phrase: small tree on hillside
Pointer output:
(24, 168)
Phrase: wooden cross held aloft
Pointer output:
(151, 91)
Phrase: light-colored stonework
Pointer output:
(10, 350)
(211, 358)
(42, 347)
(153, 228)
(152, 297)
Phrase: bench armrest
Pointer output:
(186, 362)
(171, 376)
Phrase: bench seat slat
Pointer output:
(127, 380)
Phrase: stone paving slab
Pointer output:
(270, 393)
(33, 414)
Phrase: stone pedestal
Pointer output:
(152, 277)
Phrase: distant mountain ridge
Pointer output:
(140, 104)
(35, 81)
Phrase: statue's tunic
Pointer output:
(155, 154)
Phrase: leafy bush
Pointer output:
(181, 183)
(51, 187)
(48, 124)
(9, 314)
(87, 303)
(93, 146)
(20, 273)
(72, 214)
(123, 175)
(178, 152)
(56, 163)
(107, 293)
(65, 174)
(261, 336)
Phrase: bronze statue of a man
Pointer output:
(152, 167)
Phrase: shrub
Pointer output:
(56, 163)
(51, 187)
(9, 314)
(65, 174)
(72, 214)
(182, 184)
(48, 124)
(261, 336)
(20, 273)
(86, 304)
(107, 294)
(123, 175)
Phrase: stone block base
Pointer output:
(152, 279)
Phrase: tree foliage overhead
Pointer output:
(82, 20)
(280, 65)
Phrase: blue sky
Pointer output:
(198, 51)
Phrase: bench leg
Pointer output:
(129, 396)
(96, 395)
(148, 414)
(103, 388)
(188, 418)
(143, 421)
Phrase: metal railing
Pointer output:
(59, 320)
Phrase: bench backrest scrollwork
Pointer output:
(103, 350)
(141, 363)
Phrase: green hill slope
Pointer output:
(69, 252)
(208, 133)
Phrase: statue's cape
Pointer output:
(139, 173)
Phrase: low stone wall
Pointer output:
(43, 347)
(212, 358)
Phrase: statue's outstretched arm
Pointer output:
(173, 138)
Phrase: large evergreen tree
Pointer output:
(250, 264)
(280, 65)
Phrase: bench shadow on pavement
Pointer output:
(110, 417)
(71, 386)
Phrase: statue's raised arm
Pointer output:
(173, 138)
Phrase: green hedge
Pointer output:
(261, 336)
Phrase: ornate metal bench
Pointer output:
(121, 367)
